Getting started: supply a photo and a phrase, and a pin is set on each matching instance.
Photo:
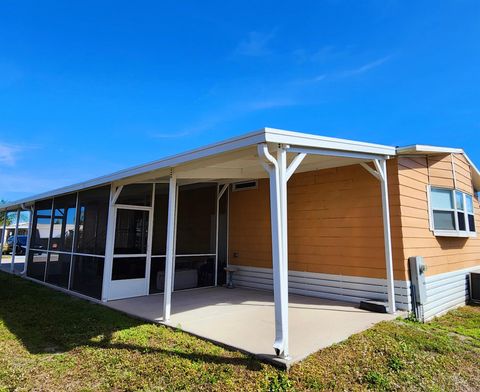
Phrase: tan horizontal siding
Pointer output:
(441, 254)
(335, 223)
(335, 220)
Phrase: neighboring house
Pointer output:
(356, 213)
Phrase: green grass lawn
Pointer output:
(53, 342)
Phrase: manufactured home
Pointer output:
(280, 212)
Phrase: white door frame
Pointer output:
(126, 288)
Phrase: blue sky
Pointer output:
(91, 87)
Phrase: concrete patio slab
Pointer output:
(244, 319)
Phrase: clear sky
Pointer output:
(91, 87)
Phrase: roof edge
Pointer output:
(263, 135)
(417, 149)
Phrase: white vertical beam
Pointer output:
(381, 166)
(3, 234)
(220, 192)
(29, 240)
(283, 268)
(280, 296)
(74, 239)
(170, 251)
(109, 246)
(15, 238)
(148, 263)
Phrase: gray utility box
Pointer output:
(419, 289)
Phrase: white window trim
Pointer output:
(451, 233)
(454, 233)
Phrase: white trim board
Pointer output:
(329, 286)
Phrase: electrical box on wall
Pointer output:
(419, 289)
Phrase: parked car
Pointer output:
(21, 245)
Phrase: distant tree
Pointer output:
(3, 214)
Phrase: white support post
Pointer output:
(220, 192)
(277, 177)
(381, 166)
(108, 263)
(3, 234)
(15, 238)
(283, 270)
(170, 251)
(29, 239)
(148, 264)
(381, 174)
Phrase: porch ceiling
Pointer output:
(239, 165)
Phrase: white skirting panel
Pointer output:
(335, 287)
(446, 291)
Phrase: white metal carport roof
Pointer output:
(237, 158)
(220, 158)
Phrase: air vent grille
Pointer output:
(244, 185)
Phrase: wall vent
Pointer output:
(244, 185)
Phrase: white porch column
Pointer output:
(381, 174)
(381, 166)
(15, 238)
(278, 212)
(29, 239)
(3, 233)
(108, 261)
(170, 251)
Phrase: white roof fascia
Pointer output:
(264, 135)
(202, 152)
(425, 149)
(308, 140)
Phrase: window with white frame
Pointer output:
(452, 212)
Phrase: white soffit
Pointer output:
(419, 149)
(192, 157)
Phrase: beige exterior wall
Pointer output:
(334, 223)
(335, 220)
(441, 254)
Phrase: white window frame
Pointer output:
(457, 232)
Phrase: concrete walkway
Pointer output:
(244, 319)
